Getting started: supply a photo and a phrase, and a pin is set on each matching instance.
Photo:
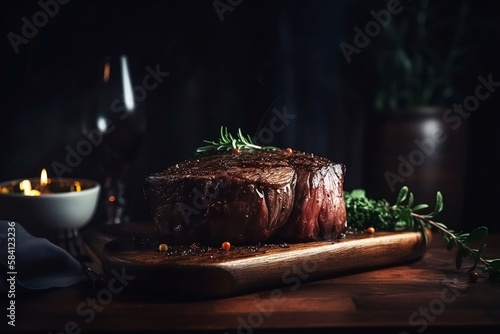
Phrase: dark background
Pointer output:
(263, 55)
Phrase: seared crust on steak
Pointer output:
(248, 197)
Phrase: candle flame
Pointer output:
(43, 178)
(76, 186)
(25, 186)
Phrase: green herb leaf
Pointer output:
(363, 212)
(476, 235)
(402, 195)
(494, 264)
(358, 193)
(439, 204)
(228, 142)
(420, 207)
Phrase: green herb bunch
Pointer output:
(363, 211)
(228, 142)
(405, 215)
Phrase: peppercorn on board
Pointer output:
(195, 271)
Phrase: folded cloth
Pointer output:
(35, 263)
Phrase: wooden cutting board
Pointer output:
(200, 272)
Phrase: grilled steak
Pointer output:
(318, 211)
(248, 197)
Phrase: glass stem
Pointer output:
(115, 201)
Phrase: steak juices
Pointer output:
(248, 197)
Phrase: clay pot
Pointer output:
(423, 148)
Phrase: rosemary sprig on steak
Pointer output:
(228, 142)
(364, 212)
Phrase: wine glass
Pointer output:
(115, 121)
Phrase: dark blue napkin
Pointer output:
(36, 263)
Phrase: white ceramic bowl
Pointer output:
(58, 210)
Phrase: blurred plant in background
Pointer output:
(419, 55)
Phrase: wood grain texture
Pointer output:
(390, 299)
(212, 272)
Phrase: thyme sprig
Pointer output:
(404, 215)
(228, 142)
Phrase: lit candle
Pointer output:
(30, 190)
(44, 180)
(25, 186)
(42, 204)
(43, 185)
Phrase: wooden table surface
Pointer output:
(424, 296)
